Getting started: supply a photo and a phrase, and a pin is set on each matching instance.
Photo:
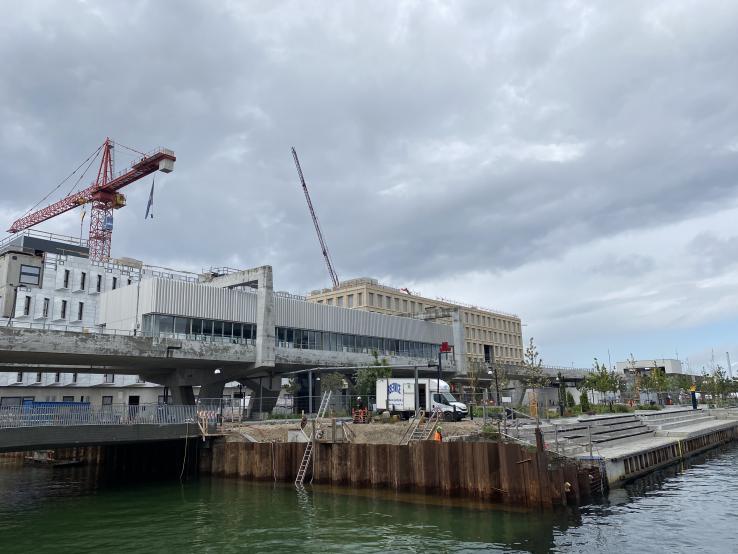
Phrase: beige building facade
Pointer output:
(489, 334)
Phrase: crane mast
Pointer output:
(323, 245)
(103, 196)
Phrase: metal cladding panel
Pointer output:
(320, 317)
(194, 300)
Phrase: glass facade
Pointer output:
(198, 329)
(287, 337)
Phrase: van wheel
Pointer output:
(448, 416)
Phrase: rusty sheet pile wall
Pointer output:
(496, 472)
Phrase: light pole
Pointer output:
(310, 391)
(497, 384)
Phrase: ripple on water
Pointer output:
(69, 511)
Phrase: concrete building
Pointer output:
(488, 334)
(666, 365)
(173, 328)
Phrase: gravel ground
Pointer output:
(371, 433)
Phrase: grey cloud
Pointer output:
(464, 108)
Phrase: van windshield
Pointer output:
(443, 398)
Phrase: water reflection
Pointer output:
(76, 509)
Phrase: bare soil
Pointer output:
(369, 433)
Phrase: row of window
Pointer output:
(13, 401)
(157, 324)
(493, 336)
(499, 351)
(45, 310)
(66, 281)
(491, 322)
(107, 377)
(288, 337)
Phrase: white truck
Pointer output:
(398, 396)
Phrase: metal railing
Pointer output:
(14, 417)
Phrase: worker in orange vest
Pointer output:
(437, 435)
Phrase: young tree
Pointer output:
(535, 377)
(366, 377)
(333, 382)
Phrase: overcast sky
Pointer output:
(572, 162)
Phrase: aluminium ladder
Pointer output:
(308, 454)
(423, 433)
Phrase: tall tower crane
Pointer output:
(103, 196)
(323, 245)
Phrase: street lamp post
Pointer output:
(310, 391)
(497, 384)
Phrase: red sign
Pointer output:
(445, 347)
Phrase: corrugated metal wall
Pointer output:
(167, 296)
(320, 317)
(193, 300)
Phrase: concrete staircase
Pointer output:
(671, 419)
(572, 437)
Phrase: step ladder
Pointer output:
(308, 454)
(423, 432)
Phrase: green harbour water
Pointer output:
(691, 508)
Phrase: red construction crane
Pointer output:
(323, 245)
(103, 196)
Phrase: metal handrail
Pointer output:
(66, 415)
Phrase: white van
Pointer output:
(398, 396)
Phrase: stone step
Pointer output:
(683, 423)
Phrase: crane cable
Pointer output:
(84, 172)
(93, 155)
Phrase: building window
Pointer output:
(45, 312)
(358, 299)
(370, 299)
(115, 283)
(66, 278)
(98, 285)
(27, 305)
(107, 400)
(19, 377)
(329, 301)
(38, 376)
(74, 378)
(404, 306)
(80, 311)
(57, 377)
(67, 398)
(109, 378)
(83, 281)
(350, 300)
(63, 309)
(30, 275)
(339, 301)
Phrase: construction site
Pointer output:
(85, 334)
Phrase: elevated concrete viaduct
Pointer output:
(178, 364)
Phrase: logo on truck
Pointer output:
(394, 387)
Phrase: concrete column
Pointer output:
(182, 395)
(459, 342)
(265, 318)
(212, 390)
